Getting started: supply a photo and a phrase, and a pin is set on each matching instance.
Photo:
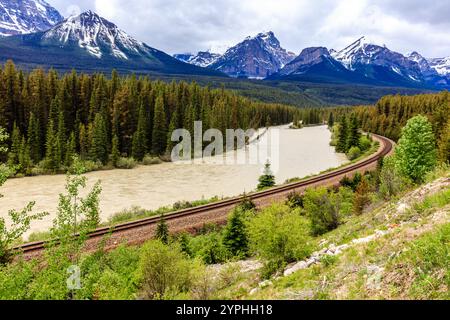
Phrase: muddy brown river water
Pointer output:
(302, 152)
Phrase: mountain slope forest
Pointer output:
(50, 118)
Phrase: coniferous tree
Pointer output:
(267, 180)
(115, 153)
(353, 136)
(331, 120)
(159, 128)
(342, 136)
(162, 231)
(83, 142)
(235, 237)
(16, 140)
(61, 139)
(34, 139)
(139, 147)
(99, 142)
(51, 148)
(70, 150)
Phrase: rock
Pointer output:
(265, 284)
(298, 266)
(402, 207)
(253, 291)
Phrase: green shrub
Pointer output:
(365, 143)
(323, 209)
(164, 271)
(271, 267)
(279, 233)
(209, 248)
(126, 163)
(354, 153)
(149, 160)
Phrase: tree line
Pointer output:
(391, 113)
(51, 117)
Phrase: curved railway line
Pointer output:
(193, 219)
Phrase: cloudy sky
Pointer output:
(177, 26)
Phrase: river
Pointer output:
(301, 153)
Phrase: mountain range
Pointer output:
(32, 33)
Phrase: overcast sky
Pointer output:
(177, 26)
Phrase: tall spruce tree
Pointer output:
(99, 143)
(34, 139)
(139, 147)
(353, 136)
(159, 134)
(342, 136)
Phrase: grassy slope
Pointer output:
(410, 262)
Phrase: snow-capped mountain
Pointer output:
(89, 42)
(26, 16)
(378, 62)
(441, 66)
(201, 59)
(96, 35)
(316, 64)
(255, 57)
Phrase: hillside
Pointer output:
(398, 250)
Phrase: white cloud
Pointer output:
(192, 25)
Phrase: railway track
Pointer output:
(193, 219)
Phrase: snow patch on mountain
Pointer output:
(26, 16)
(96, 35)
(441, 66)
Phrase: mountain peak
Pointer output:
(256, 57)
(94, 34)
(26, 16)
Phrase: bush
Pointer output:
(126, 163)
(149, 160)
(279, 234)
(354, 153)
(164, 271)
(294, 200)
(365, 143)
(209, 248)
(391, 180)
(323, 209)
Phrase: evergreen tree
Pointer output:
(115, 154)
(139, 147)
(235, 237)
(331, 120)
(99, 142)
(162, 231)
(61, 139)
(51, 148)
(70, 150)
(342, 136)
(16, 140)
(353, 136)
(267, 180)
(83, 142)
(416, 152)
(34, 139)
(159, 134)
